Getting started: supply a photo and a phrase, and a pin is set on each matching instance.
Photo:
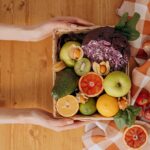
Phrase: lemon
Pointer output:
(107, 105)
(67, 106)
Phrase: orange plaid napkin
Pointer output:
(140, 80)
(104, 135)
(143, 26)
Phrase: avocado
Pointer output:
(64, 53)
(66, 82)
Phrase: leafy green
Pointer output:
(131, 34)
(120, 119)
(126, 117)
(120, 122)
(135, 110)
(131, 117)
(122, 21)
(128, 26)
(133, 21)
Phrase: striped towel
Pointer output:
(104, 135)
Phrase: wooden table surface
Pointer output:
(25, 68)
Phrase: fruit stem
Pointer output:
(119, 84)
(144, 101)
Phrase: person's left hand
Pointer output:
(68, 23)
(72, 20)
(42, 31)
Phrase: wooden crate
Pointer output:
(56, 36)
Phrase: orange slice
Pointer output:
(135, 137)
(58, 66)
(67, 106)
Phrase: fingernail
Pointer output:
(70, 122)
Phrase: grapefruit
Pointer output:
(135, 137)
(107, 105)
(91, 84)
(67, 106)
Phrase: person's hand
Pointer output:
(45, 119)
(58, 23)
(77, 22)
(37, 117)
(42, 31)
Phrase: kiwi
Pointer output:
(82, 66)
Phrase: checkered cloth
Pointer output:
(143, 26)
(104, 135)
(140, 80)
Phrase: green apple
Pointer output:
(65, 51)
(117, 84)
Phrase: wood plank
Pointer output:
(25, 68)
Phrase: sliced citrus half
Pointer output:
(67, 106)
(135, 137)
(91, 84)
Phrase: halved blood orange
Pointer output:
(135, 137)
(91, 84)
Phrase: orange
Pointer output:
(91, 84)
(67, 106)
(107, 105)
(135, 137)
(58, 66)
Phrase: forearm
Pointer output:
(33, 33)
(30, 33)
(40, 32)
(16, 116)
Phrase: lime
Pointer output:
(88, 108)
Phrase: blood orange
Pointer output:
(91, 84)
(135, 137)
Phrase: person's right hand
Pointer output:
(37, 117)
(45, 119)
